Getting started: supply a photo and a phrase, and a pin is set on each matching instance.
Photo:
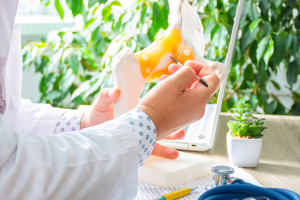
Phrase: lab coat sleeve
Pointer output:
(99, 162)
(35, 118)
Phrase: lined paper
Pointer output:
(149, 192)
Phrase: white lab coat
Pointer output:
(100, 162)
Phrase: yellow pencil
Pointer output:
(177, 194)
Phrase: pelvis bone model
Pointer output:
(183, 40)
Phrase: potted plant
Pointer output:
(244, 139)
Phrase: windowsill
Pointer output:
(39, 25)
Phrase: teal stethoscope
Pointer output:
(228, 188)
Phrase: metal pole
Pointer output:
(228, 62)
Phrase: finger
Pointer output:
(182, 78)
(204, 73)
(177, 135)
(173, 68)
(166, 152)
(163, 77)
(106, 98)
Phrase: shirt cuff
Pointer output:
(142, 125)
(69, 121)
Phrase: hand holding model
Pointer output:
(179, 99)
(183, 40)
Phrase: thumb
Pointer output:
(106, 98)
(182, 77)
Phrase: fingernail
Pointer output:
(110, 93)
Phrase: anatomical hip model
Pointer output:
(183, 40)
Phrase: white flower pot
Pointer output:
(243, 152)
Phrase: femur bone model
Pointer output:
(183, 40)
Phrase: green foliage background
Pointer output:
(76, 64)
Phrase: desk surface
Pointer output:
(279, 164)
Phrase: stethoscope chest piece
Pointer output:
(221, 176)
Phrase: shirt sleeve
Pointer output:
(38, 119)
(144, 127)
(69, 121)
(98, 162)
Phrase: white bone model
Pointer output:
(183, 40)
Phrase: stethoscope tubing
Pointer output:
(245, 190)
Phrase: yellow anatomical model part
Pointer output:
(171, 42)
(183, 40)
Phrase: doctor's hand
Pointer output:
(180, 98)
(102, 111)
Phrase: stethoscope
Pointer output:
(228, 188)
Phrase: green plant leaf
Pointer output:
(253, 101)
(258, 136)
(250, 84)
(252, 52)
(269, 52)
(254, 130)
(261, 48)
(291, 75)
(76, 7)
(245, 119)
(277, 3)
(83, 87)
(155, 8)
(237, 111)
(263, 128)
(247, 39)
(270, 107)
(91, 3)
(295, 110)
(220, 37)
(243, 130)
(261, 123)
(143, 40)
(279, 46)
(247, 115)
(106, 11)
(241, 105)
(66, 81)
(276, 85)
(54, 94)
(288, 41)
(115, 3)
(265, 5)
(59, 9)
(237, 118)
(74, 64)
(248, 74)
(247, 105)
(247, 110)
(233, 125)
(247, 122)
(294, 46)
(254, 24)
(253, 12)
(267, 29)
